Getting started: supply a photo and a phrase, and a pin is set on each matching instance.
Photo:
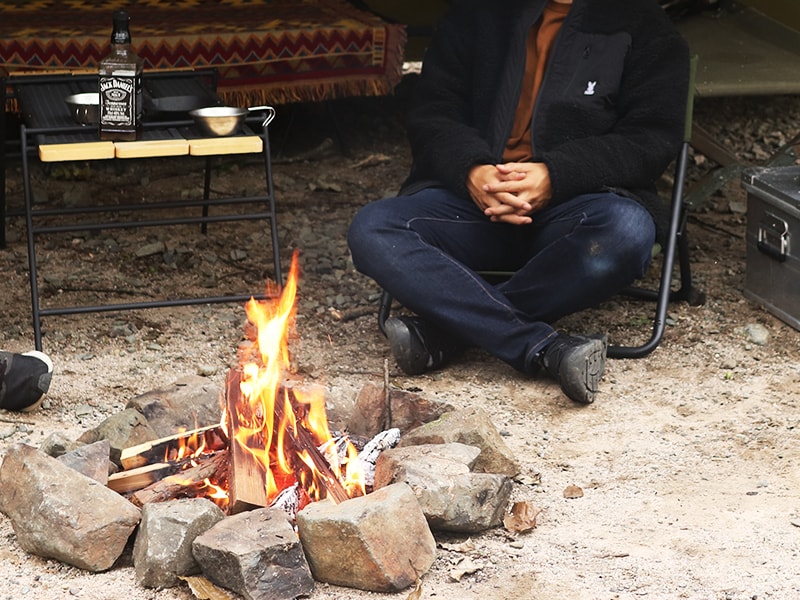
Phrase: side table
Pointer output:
(47, 130)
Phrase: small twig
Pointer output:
(319, 152)
(715, 228)
(16, 422)
(387, 396)
(352, 314)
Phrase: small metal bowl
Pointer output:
(226, 120)
(219, 120)
(84, 108)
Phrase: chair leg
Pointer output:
(674, 234)
(384, 310)
(688, 292)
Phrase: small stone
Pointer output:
(207, 370)
(57, 444)
(737, 207)
(84, 410)
(150, 249)
(757, 334)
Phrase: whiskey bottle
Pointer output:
(120, 80)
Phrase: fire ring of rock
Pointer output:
(248, 489)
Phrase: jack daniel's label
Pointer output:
(120, 100)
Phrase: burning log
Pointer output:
(169, 448)
(247, 475)
(140, 477)
(184, 484)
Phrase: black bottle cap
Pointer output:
(121, 32)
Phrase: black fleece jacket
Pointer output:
(610, 111)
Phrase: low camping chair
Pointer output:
(676, 242)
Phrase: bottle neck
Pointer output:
(120, 38)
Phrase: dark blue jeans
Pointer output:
(425, 249)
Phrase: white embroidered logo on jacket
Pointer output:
(589, 91)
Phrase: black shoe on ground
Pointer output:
(24, 379)
(577, 363)
(417, 346)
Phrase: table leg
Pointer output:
(273, 219)
(32, 271)
(3, 99)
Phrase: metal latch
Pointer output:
(773, 237)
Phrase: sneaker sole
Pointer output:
(592, 373)
(401, 343)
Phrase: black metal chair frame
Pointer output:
(676, 243)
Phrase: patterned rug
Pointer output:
(266, 51)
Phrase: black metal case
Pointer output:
(773, 240)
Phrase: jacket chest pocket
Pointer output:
(595, 82)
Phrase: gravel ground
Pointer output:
(688, 459)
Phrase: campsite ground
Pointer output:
(687, 460)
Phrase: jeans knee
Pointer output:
(633, 228)
(359, 236)
(624, 245)
(367, 236)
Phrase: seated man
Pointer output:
(538, 131)
(24, 379)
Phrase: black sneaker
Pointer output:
(577, 363)
(24, 379)
(416, 345)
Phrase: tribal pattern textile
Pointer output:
(266, 51)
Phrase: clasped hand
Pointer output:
(510, 192)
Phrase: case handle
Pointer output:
(773, 237)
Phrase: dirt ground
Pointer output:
(687, 460)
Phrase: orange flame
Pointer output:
(272, 414)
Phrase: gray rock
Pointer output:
(162, 552)
(58, 513)
(380, 542)
(57, 444)
(188, 403)
(122, 430)
(256, 554)
(472, 427)
(91, 460)
(451, 497)
(407, 410)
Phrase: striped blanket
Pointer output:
(266, 51)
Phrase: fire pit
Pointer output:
(271, 462)
(273, 446)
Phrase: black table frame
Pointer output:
(32, 136)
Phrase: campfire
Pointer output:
(273, 446)
(260, 497)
